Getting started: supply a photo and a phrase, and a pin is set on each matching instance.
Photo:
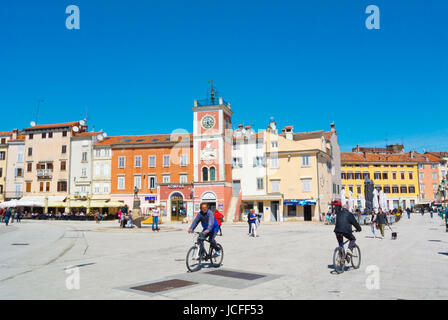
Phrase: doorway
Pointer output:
(177, 205)
(307, 213)
(275, 205)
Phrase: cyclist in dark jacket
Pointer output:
(344, 222)
(209, 224)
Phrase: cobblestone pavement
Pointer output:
(41, 260)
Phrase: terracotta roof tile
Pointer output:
(144, 139)
(56, 125)
(86, 134)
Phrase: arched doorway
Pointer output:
(210, 198)
(177, 206)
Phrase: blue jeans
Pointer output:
(155, 221)
(211, 237)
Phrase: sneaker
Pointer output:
(217, 254)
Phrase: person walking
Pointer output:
(381, 219)
(446, 219)
(97, 216)
(7, 216)
(12, 215)
(253, 224)
(373, 217)
(431, 211)
(220, 218)
(155, 212)
(408, 211)
(19, 216)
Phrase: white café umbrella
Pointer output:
(375, 201)
(8, 204)
(383, 201)
(343, 199)
(363, 203)
(350, 201)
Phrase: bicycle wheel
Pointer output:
(193, 260)
(356, 258)
(338, 260)
(217, 261)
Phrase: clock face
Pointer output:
(208, 122)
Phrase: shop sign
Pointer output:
(299, 202)
(175, 186)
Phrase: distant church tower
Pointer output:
(212, 151)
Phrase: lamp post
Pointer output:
(442, 190)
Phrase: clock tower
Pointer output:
(212, 152)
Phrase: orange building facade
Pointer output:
(428, 171)
(153, 164)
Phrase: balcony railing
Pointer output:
(44, 173)
(211, 102)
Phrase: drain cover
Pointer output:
(20, 244)
(235, 274)
(164, 285)
(444, 253)
(435, 240)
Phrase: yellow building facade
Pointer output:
(299, 169)
(395, 174)
(4, 138)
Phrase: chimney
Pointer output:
(332, 126)
(240, 126)
(289, 132)
(411, 153)
(15, 134)
(247, 127)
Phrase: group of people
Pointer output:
(330, 217)
(7, 215)
(125, 217)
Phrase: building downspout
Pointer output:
(318, 186)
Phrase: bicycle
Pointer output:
(340, 258)
(197, 253)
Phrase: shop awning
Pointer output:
(56, 201)
(76, 204)
(299, 202)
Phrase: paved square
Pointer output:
(43, 259)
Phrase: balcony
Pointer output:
(44, 173)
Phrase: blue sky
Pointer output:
(138, 66)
